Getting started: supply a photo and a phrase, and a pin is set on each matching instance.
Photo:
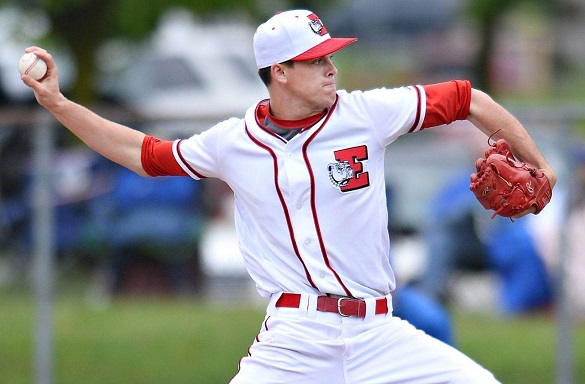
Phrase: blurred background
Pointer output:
(99, 267)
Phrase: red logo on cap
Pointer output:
(316, 25)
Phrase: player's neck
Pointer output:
(264, 111)
(284, 106)
(295, 123)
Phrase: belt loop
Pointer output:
(304, 304)
(272, 304)
(370, 307)
(389, 303)
(274, 298)
(311, 305)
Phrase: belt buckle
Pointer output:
(339, 300)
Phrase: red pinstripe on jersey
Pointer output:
(186, 163)
(418, 111)
(314, 203)
(283, 204)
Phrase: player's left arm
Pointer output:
(495, 121)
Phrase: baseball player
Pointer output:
(307, 170)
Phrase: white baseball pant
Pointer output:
(307, 346)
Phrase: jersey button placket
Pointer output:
(299, 186)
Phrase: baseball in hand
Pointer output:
(32, 65)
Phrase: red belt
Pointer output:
(345, 306)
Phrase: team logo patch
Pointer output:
(347, 173)
(316, 25)
(340, 173)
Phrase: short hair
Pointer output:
(265, 73)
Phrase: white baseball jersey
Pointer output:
(310, 212)
(311, 217)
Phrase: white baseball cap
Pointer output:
(294, 35)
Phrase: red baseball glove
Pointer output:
(508, 186)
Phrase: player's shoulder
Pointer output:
(377, 92)
(222, 130)
(388, 96)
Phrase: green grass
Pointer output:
(185, 341)
(130, 341)
(520, 350)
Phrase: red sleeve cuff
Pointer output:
(446, 102)
(157, 158)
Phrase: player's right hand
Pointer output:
(46, 90)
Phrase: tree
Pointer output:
(487, 14)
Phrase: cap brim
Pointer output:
(325, 48)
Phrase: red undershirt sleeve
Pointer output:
(157, 158)
(447, 102)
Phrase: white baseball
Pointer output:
(32, 65)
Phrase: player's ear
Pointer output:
(278, 72)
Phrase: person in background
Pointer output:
(461, 238)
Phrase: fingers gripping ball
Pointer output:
(508, 186)
(32, 65)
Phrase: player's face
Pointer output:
(312, 82)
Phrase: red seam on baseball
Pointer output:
(30, 67)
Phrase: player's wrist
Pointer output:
(551, 175)
(56, 104)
